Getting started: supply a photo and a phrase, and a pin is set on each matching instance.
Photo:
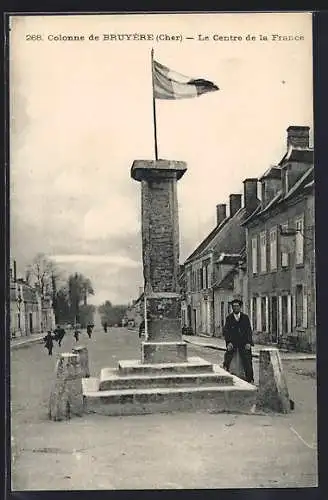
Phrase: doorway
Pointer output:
(194, 326)
(274, 320)
(31, 322)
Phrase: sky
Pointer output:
(81, 113)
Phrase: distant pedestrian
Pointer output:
(238, 336)
(59, 334)
(142, 326)
(76, 334)
(105, 326)
(48, 342)
(89, 329)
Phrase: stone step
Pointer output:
(112, 379)
(193, 365)
(239, 397)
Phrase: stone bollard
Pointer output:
(273, 392)
(82, 352)
(66, 398)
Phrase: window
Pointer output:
(264, 313)
(273, 249)
(299, 244)
(284, 255)
(254, 313)
(254, 255)
(206, 276)
(284, 314)
(299, 305)
(263, 252)
(189, 287)
(200, 279)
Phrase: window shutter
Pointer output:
(267, 313)
(251, 313)
(305, 315)
(279, 314)
(299, 223)
(254, 255)
(289, 313)
(293, 311)
(263, 251)
(258, 314)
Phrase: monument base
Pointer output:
(164, 352)
(137, 388)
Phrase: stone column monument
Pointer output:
(160, 248)
(164, 379)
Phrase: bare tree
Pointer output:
(41, 273)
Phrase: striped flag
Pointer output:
(169, 84)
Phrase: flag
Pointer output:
(169, 84)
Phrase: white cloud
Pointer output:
(115, 260)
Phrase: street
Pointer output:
(196, 450)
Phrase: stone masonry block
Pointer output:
(82, 352)
(164, 352)
(66, 398)
(273, 392)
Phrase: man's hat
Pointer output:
(237, 301)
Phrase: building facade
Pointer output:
(29, 313)
(214, 271)
(280, 246)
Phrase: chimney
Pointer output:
(250, 194)
(298, 136)
(235, 203)
(221, 213)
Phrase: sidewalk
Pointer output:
(219, 344)
(24, 341)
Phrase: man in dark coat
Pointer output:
(48, 342)
(59, 334)
(89, 329)
(238, 336)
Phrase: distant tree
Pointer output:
(87, 314)
(41, 272)
(62, 306)
(111, 314)
(79, 288)
(44, 275)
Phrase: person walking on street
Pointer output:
(59, 334)
(76, 334)
(237, 332)
(105, 326)
(89, 329)
(48, 342)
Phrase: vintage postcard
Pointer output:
(162, 263)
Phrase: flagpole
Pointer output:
(154, 104)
